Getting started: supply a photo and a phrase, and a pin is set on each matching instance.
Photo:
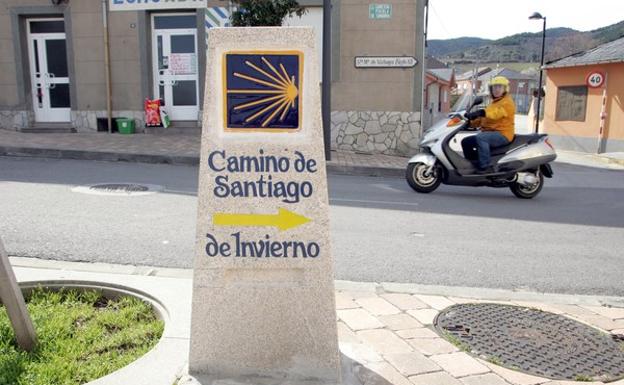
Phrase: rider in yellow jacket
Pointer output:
(496, 122)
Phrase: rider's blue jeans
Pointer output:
(483, 142)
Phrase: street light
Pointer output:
(538, 16)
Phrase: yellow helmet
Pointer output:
(499, 81)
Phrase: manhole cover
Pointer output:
(119, 189)
(533, 341)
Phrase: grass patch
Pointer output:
(459, 344)
(81, 335)
(583, 378)
(494, 360)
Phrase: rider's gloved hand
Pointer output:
(475, 114)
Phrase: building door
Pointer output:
(48, 68)
(175, 64)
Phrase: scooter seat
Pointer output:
(519, 140)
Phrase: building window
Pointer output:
(521, 85)
(571, 103)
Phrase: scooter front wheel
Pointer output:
(423, 178)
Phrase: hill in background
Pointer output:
(522, 47)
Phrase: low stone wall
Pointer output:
(380, 132)
(14, 119)
(82, 121)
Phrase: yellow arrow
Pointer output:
(283, 220)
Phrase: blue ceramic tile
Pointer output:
(263, 91)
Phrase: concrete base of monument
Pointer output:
(167, 361)
(169, 291)
(353, 373)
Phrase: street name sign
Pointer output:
(263, 294)
(13, 301)
(380, 11)
(385, 62)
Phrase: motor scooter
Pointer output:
(520, 165)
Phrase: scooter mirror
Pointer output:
(478, 100)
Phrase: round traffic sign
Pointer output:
(595, 79)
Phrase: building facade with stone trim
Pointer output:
(52, 67)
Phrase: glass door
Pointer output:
(175, 65)
(49, 70)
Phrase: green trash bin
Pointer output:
(125, 125)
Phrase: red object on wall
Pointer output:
(152, 112)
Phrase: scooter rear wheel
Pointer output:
(528, 192)
(423, 178)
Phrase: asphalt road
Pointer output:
(570, 239)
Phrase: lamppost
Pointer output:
(538, 16)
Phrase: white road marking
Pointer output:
(368, 201)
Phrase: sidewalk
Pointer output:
(384, 328)
(184, 149)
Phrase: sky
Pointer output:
(493, 19)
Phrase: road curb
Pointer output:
(96, 155)
(110, 156)
(486, 294)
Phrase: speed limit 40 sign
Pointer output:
(595, 79)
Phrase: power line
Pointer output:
(439, 18)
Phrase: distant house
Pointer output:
(438, 85)
(574, 116)
(465, 80)
(520, 86)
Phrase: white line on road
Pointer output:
(378, 202)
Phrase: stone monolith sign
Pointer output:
(263, 298)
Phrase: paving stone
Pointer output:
(576, 383)
(515, 377)
(485, 379)
(346, 335)
(417, 333)
(405, 301)
(344, 301)
(355, 294)
(359, 319)
(384, 341)
(613, 313)
(424, 316)
(618, 331)
(603, 322)
(410, 364)
(360, 352)
(439, 378)
(377, 306)
(459, 300)
(388, 372)
(400, 321)
(460, 364)
(574, 310)
(432, 346)
(436, 302)
(540, 306)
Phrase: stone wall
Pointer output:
(14, 119)
(82, 121)
(380, 132)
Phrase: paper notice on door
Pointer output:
(183, 63)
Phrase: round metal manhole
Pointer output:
(533, 341)
(119, 189)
